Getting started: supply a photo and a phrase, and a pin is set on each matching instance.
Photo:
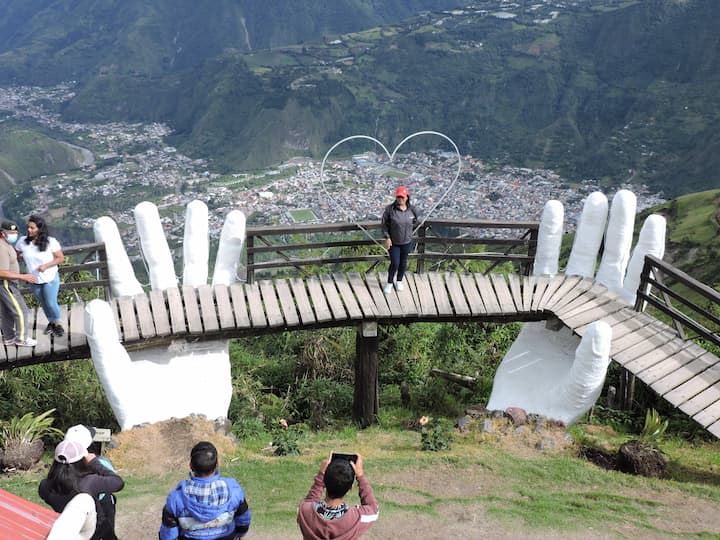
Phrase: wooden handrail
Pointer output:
(273, 242)
(689, 311)
(93, 259)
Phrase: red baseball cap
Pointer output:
(402, 191)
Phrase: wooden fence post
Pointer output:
(420, 268)
(365, 398)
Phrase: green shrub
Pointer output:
(320, 401)
(28, 428)
(286, 438)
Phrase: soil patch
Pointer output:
(164, 447)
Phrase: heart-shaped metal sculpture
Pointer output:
(391, 157)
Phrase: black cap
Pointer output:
(8, 225)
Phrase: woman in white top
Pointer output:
(42, 255)
(77, 520)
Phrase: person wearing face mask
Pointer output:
(13, 310)
(42, 255)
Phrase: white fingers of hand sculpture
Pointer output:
(183, 378)
(555, 373)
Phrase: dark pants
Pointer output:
(398, 261)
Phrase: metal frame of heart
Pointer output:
(390, 156)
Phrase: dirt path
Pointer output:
(444, 502)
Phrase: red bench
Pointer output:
(21, 519)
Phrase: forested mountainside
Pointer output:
(610, 90)
(48, 41)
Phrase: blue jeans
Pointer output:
(47, 294)
(398, 261)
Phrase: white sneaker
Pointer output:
(27, 342)
(388, 288)
(399, 286)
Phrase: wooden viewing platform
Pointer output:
(679, 370)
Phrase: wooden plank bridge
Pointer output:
(680, 371)
(663, 357)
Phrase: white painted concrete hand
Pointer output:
(555, 373)
(185, 378)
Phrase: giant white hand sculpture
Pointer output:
(554, 373)
(185, 378)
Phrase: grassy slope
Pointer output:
(693, 244)
(27, 154)
(490, 489)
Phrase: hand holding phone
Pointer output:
(346, 457)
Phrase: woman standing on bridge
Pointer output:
(42, 255)
(398, 222)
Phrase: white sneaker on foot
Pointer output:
(399, 286)
(27, 342)
(388, 288)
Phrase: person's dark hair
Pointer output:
(339, 478)
(41, 240)
(203, 458)
(63, 478)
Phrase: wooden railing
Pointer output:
(659, 284)
(83, 258)
(271, 249)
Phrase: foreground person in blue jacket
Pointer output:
(206, 506)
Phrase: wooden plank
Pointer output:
(516, 290)
(334, 301)
(287, 303)
(392, 301)
(442, 301)
(144, 316)
(61, 343)
(379, 298)
(367, 304)
(348, 298)
(192, 310)
(322, 311)
(302, 301)
(651, 358)
(114, 310)
(625, 340)
(408, 298)
(691, 388)
(592, 304)
(541, 283)
(569, 296)
(597, 293)
(240, 305)
(44, 343)
(631, 341)
(130, 331)
(704, 398)
(472, 294)
(160, 313)
(684, 373)
(255, 307)
(594, 312)
(224, 307)
(709, 415)
(207, 308)
(456, 294)
(23, 353)
(673, 362)
(425, 296)
(714, 429)
(487, 294)
(565, 289)
(555, 284)
(177, 313)
(648, 344)
(503, 294)
(528, 288)
(270, 301)
(76, 326)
